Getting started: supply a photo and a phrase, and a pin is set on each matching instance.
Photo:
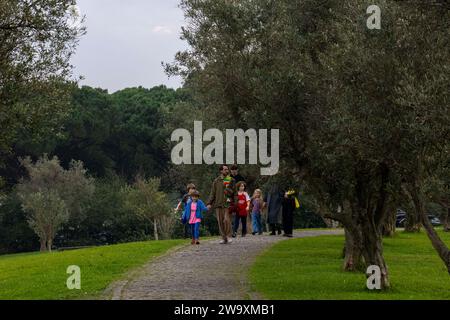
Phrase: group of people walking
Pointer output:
(233, 207)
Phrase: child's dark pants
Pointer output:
(237, 218)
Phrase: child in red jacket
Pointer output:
(242, 207)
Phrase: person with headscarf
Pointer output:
(289, 204)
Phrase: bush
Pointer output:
(15, 233)
(108, 220)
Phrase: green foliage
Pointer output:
(122, 133)
(15, 232)
(107, 221)
(37, 40)
(88, 132)
(47, 212)
(141, 135)
(113, 135)
(146, 199)
(150, 204)
(343, 95)
(306, 219)
(52, 195)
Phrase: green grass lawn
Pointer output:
(43, 275)
(311, 268)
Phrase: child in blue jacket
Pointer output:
(192, 214)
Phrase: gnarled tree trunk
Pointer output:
(389, 223)
(353, 259)
(372, 208)
(373, 251)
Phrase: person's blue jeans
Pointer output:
(256, 222)
(195, 230)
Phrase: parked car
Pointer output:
(401, 217)
(435, 221)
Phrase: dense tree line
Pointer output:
(115, 137)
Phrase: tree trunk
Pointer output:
(445, 221)
(436, 241)
(389, 224)
(413, 223)
(439, 245)
(155, 229)
(371, 212)
(43, 245)
(373, 251)
(49, 245)
(353, 260)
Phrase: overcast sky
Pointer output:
(126, 42)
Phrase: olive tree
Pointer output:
(53, 196)
(145, 199)
(47, 213)
(37, 40)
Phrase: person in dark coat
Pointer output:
(273, 200)
(288, 205)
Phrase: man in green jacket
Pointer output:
(221, 198)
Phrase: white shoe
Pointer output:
(230, 240)
(222, 242)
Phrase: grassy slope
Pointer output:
(310, 268)
(43, 275)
